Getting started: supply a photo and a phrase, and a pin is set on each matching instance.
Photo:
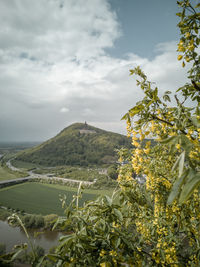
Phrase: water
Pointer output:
(11, 236)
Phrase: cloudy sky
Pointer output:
(66, 61)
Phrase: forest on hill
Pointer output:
(77, 145)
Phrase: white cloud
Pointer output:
(53, 61)
(42, 30)
(64, 110)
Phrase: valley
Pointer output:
(39, 181)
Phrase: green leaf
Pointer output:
(169, 140)
(195, 121)
(166, 98)
(176, 187)
(185, 143)
(189, 187)
(118, 214)
(108, 200)
(54, 257)
(135, 110)
(181, 163)
(124, 117)
(167, 92)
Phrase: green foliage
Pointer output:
(101, 231)
(4, 214)
(112, 171)
(49, 220)
(33, 221)
(2, 248)
(176, 127)
(73, 147)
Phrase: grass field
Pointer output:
(24, 165)
(42, 199)
(88, 191)
(6, 174)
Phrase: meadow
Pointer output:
(36, 198)
(7, 174)
(24, 165)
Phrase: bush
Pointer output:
(2, 249)
(49, 220)
(33, 221)
(112, 172)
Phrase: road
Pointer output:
(33, 175)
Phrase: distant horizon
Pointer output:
(40, 141)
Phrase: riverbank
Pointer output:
(11, 236)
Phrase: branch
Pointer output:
(167, 122)
(156, 118)
(196, 86)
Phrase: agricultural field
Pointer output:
(36, 198)
(7, 174)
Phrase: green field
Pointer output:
(24, 165)
(7, 174)
(39, 198)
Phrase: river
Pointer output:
(11, 236)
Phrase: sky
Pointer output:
(67, 61)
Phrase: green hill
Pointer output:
(78, 144)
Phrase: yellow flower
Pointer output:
(104, 264)
(113, 253)
(178, 146)
(187, 59)
(187, 35)
(102, 253)
(179, 57)
(136, 144)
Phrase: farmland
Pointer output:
(7, 174)
(41, 198)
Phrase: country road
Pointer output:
(33, 175)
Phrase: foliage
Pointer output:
(112, 171)
(49, 220)
(33, 221)
(2, 248)
(4, 214)
(71, 147)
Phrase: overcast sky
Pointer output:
(66, 61)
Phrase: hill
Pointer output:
(78, 144)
